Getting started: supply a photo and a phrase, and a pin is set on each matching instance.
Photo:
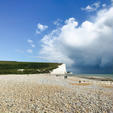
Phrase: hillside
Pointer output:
(13, 67)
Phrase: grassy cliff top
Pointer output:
(12, 67)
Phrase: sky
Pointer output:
(78, 33)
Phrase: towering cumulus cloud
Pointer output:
(85, 48)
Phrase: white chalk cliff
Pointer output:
(60, 70)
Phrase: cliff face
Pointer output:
(60, 70)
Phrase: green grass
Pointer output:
(12, 67)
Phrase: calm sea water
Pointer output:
(97, 75)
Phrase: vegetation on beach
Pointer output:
(13, 67)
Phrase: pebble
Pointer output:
(31, 97)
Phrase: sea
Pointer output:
(93, 75)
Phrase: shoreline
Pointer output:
(84, 76)
(93, 77)
(98, 78)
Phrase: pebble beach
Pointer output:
(45, 93)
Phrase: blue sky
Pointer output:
(25, 23)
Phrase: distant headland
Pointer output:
(14, 67)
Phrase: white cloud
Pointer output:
(29, 51)
(112, 2)
(92, 7)
(41, 28)
(31, 43)
(89, 44)
(57, 22)
(104, 5)
(88, 8)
